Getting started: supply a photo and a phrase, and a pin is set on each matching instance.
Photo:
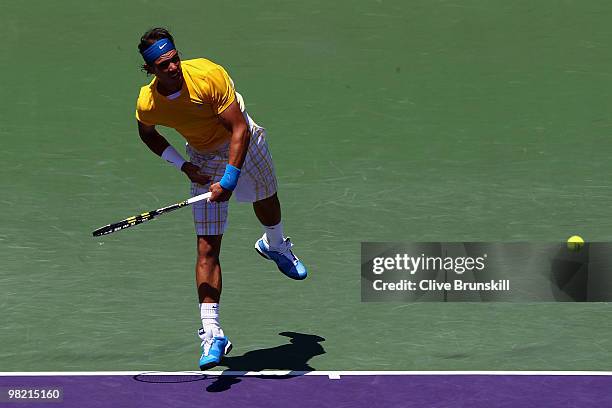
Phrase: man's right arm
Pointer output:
(151, 137)
(158, 145)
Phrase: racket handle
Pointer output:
(200, 197)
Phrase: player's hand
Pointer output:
(219, 193)
(193, 172)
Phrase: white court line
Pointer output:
(334, 375)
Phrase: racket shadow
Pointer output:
(292, 357)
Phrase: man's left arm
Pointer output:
(233, 120)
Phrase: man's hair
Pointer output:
(149, 37)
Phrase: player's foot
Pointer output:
(214, 347)
(287, 262)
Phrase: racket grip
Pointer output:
(200, 197)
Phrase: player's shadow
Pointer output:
(293, 356)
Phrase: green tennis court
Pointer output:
(446, 121)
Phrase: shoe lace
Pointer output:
(286, 250)
(206, 345)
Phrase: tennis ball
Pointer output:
(575, 243)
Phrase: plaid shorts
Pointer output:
(257, 180)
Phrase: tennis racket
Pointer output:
(139, 219)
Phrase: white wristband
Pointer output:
(173, 157)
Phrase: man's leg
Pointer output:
(210, 220)
(208, 279)
(273, 245)
(257, 184)
(208, 268)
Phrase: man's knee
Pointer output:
(271, 201)
(209, 247)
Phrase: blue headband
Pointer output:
(157, 49)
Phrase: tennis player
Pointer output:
(227, 155)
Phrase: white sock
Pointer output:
(209, 313)
(274, 235)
